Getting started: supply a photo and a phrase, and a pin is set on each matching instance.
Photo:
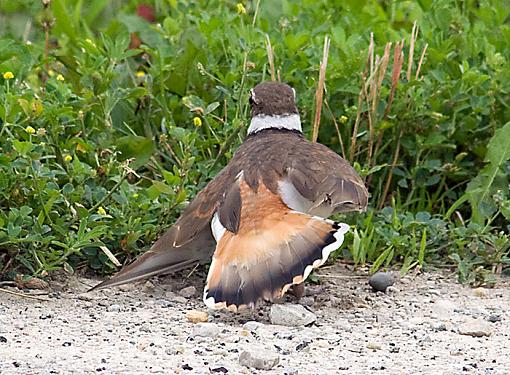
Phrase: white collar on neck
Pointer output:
(261, 122)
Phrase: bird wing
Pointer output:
(320, 176)
(311, 172)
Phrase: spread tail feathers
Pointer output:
(263, 264)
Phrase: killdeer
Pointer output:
(263, 218)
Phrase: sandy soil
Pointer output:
(425, 324)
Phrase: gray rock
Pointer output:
(85, 297)
(438, 326)
(380, 281)
(252, 326)
(443, 308)
(175, 298)
(383, 318)
(188, 292)
(291, 315)
(164, 303)
(307, 301)
(475, 328)
(259, 358)
(114, 308)
(423, 339)
(494, 318)
(291, 371)
(128, 287)
(206, 330)
(148, 286)
(343, 325)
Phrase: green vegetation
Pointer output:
(109, 123)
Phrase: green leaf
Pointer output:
(63, 22)
(386, 255)
(171, 178)
(423, 243)
(68, 268)
(211, 107)
(23, 148)
(137, 147)
(492, 177)
(356, 246)
(25, 211)
(94, 9)
(162, 187)
(194, 103)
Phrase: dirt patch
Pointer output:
(424, 324)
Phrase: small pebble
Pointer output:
(175, 297)
(164, 303)
(206, 330)
(494, 318)
(114, 308)
(291, 315)
(438, 326)
(128, 287)
(252, 326)
(195, 316)
(380, 281)
(373, 346)
(148, 286)
(480, 293)
(475, 328)
(188, 292)
(443, 308)
(259, 358)
(307, 301)
(290, 371)
(221, 370)
(343, 325)
(35, 283)
(85, 297)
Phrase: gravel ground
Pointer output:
(424, 324)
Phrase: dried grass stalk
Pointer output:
(371, 47)
(320, 90)
(110, 256)
(414, 36)
(398, 62)
(256, 13)
(352, 150)
(384, 65)
(421, 61)
(381, 74)
(270, 58)
(372, 108)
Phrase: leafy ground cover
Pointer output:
(114, 114)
